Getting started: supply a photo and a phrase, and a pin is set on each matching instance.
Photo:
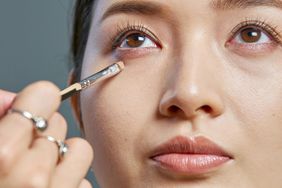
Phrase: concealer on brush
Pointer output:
(107, 72)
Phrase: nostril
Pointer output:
(173, 109)
(207, 109)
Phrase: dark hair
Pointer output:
(81, 26)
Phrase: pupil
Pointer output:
(250, 35)
(135, 40)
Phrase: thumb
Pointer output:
(6, 99)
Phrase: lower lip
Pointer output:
(190, 163)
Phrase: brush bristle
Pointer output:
(121, 65)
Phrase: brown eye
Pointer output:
(135, 40)
(251, 35)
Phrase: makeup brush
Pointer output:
(107, 72)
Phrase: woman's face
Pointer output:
(203, 77)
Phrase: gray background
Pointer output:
(34, 45)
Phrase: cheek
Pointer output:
(117, 111)
(260, 146)
(256, 103)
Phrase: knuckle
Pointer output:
(39, 98)
(38, 179)
(47, 87)
(46, 84)
(61, 121)
(40, 90)
(43, 89)
(5, 160)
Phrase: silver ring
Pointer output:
(39, 122)
(63, 148)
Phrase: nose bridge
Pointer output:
(196, 65)
(193, 86)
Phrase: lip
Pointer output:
(190, 156)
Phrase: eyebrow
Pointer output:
(136, 7)
(232, 4)
(150, 8)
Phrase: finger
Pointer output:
(73, 168)
(6, 99)
(41, 98)
(85, 184)
(45, 149)
(36, 167)
(16, 131)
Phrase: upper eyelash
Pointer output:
(271, 30)
(122, 30)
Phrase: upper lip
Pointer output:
(190, 145)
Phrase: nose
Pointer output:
(193, 88)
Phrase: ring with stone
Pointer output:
(63, 148)
(39, 122)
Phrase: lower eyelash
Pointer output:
(261, 24)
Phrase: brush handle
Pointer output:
(94, 78)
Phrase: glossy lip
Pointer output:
(190, 156)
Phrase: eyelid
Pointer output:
(123, 31)
(270, 30)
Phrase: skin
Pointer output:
(197, 83)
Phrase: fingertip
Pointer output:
(77, 160)
(79, 144)
(85, 184)
(6, 100)
(7, 95)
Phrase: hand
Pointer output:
(30, 162)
